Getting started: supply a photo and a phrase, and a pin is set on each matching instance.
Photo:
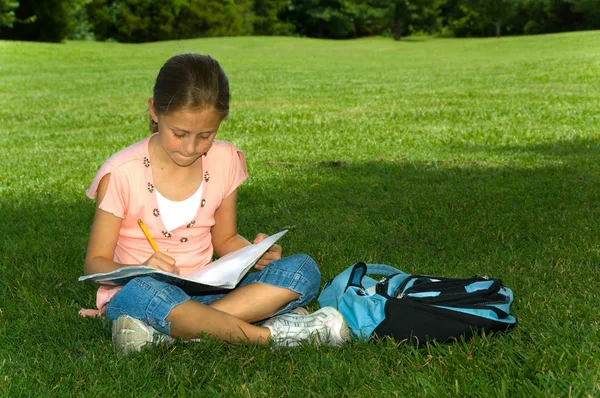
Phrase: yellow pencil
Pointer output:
(145, 231)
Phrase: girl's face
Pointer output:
(186, 135)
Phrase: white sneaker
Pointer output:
(325, 326)
(300, 311)
(130, 334)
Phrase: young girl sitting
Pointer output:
(183, 184)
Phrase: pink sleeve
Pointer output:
(237, 171)
(116, 198)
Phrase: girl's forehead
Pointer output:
(194, 117)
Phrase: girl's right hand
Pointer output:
(162, 262)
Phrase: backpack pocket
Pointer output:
(417, 322)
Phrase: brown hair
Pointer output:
(190, 81)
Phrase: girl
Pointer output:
(183, 184)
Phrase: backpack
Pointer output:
(417, 308)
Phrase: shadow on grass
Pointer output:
(580, 150)
(522, 225)
(437, 217)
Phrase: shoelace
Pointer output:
(295, 334)
(303, 320)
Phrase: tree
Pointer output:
(495, 11)
(131, 20)
(39, 20)
(418, 14)
(339, 19)
(321, 18)
(7, 12)
(79, 24)
(590, 10)
(144, 21)
(213, 18)
(266, 17)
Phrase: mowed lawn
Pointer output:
(445, 157)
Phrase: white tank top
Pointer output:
(175, 214)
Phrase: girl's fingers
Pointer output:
(162, 262)
(166, 258)
(170, 268)
(273, 254)
(260, 237)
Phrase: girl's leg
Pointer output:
(190, 319)
(281, 286)
(255, 302)
(169, 310)
(145, 302)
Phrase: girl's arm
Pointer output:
(225, 237)
(103, 241)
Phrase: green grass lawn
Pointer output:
(448, 157)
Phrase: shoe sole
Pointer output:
(128, 335)
(343, 333)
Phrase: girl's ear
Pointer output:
(151, 109)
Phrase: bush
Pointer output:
(7, 12)
(211, 18)
(39, 20)
(80, 27)
(145, 21)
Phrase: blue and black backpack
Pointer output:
(417, 308)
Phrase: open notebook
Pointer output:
(224, 273)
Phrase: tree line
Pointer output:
(138, 21)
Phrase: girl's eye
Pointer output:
(180, 136)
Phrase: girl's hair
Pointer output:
(190, 81)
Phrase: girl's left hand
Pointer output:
(273, 254)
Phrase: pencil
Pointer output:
(145, 231)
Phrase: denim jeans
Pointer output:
(151, 301)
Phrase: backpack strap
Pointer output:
(382, 269)
(360, 269)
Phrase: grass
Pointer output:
(448, 157)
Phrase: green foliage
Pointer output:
(471, 18)
(370, 17)
(589, 10)
(132, 20)
(39, 20)
(415, 15)
(144, 21)
(7, 12)
(340, 19)
(211, 18)
(465, 22)
(266, 17)
(80, 27)
(321, 18)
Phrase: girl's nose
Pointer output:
(190, 146)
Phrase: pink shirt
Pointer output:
(131, 196)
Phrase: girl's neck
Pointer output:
(174, 182)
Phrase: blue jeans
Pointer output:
(151, 301)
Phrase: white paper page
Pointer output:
(229, 269)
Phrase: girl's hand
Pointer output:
(273, 254)
(162, 262)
